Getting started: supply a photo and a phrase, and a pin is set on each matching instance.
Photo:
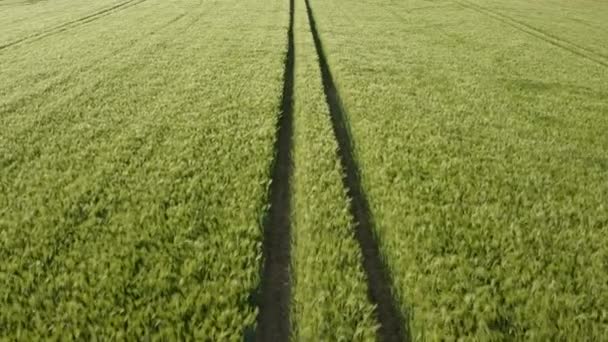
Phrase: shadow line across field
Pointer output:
(273, 322)
(378, 278)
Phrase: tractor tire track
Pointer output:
(378, 280)
(132, 150)
(74, 23)
(62, 241)
(29, 129)
(57, 78)
(566, 45)
(273, 322)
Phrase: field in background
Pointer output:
(305, 170)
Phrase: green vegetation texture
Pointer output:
(137, 139)
(482, 143)
(329, 289)
(135, 153)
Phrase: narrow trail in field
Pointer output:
(273, 318)
(389, 317)
(74, 23)
(547, 37)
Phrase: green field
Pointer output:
(337, 170)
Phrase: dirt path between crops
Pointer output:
(273, 318)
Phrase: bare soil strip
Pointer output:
(273, 318)
(389, 317)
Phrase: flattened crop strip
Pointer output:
(273, 318)
(389, 317)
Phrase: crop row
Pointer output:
(135, 154)
(482, 151)
(329, 288)
(24, 19)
